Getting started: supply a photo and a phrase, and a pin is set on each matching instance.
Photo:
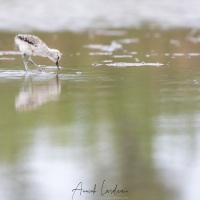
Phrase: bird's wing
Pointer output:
(31, 39)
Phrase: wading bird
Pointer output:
(33, 46)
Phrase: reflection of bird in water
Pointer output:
(32, 45)
(34, 96)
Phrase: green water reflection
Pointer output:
(132, 126)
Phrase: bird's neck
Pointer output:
(46, 53)
(49, 52)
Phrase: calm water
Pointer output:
(124, 109)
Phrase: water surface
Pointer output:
(124, 108)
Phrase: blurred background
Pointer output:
(57, 15)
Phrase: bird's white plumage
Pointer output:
(32, 45)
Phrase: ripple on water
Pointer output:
(125, 64)
(8, 53)
(193, 54)
(2, 53)
(109, 48)
(100, 53)
(178, 54)
(11, 74)
(122, 56)
(6, 58)
(128, 40)
(36, 75)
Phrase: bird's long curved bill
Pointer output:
(57, 64)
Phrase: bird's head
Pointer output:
(55, 56)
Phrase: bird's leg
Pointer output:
(30, 59)
(24, 61)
